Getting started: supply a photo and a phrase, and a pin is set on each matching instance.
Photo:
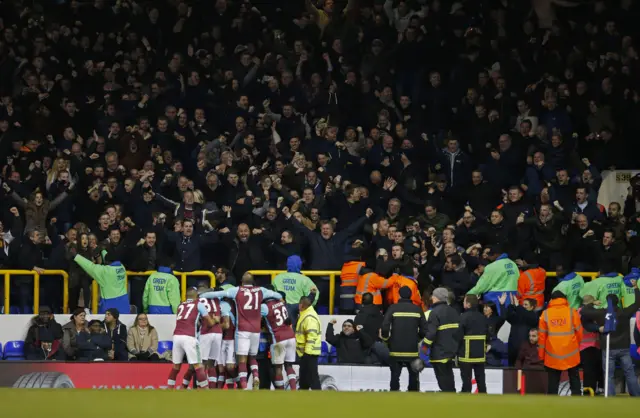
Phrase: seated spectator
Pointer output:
(44, 337)
(528, 354)
(118, 333)
(351, 344)
(70, 331)
(93, 343)
(142, 340)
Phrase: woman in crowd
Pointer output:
(70, 331)
(142, 340)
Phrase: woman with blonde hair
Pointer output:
(142, 340)
(53, 174)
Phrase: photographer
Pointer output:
(44, 337)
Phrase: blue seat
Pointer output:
(633, 350)
(164, 346)
(324, 353)
(333, 355)
(322, 310)
(14, 350)
(14, 310)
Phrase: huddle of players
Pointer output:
(212, 328)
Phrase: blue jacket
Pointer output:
(591, 211)
(535, 178)
(294, 264)
(119, 341)
(93, 346)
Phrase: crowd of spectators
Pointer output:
(187, 133)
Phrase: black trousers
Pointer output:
(467, 370)
(309, 377)
(265, 373)
(396, 365)
(444, 376)
(591, 361)
(553, 381)
(137, 284)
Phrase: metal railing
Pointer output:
(36, 287)
(182, 276)
(310, 273)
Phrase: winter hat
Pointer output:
(441, 293)
(114, 312)
(349, 321)
(405, 292)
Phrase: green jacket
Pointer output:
(294, 286)
(609, 284)
(161, 290)
(500, 276)
(589, 288)
(112, 281)
(571, 285)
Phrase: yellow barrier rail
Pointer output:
(592, 275)
(309, 273)
(182, 276)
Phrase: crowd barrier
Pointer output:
(182, 276)
(95, 290)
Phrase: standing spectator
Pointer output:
(142, 340)
(79, 280)
(370, 317)
(29, 256)
(44, 337)
(590, 353)
(619, 340)
(473, 336)
(570, 285)
(559, 343)
(351, 344)
(404, 326)
(295, 286)
(522, 318)
(442, 332)
(118, 333)
(308, 345)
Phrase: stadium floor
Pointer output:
(19, 403)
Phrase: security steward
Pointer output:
(308, 345)
(442, 337)
(473, 335)
(403, 328)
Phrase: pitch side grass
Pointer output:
(63, 403)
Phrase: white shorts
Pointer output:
(210, 346)
(247, 343)
(227, 352)
(283, 352)
(186, 345)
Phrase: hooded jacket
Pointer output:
(571, 285)
(161, 292)
(112, 281)
(293, 284)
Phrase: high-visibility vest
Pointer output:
(531, 285)
(371, 283)
(393, 294)
(560, 333)
(348, 284)
(589, 339)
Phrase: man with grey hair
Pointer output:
(442, 338)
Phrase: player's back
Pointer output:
(213, 307)
(187, 318)
(248, 308)
(276, 317)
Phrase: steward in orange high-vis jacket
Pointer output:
(348, 284)
(531, 284)
(560, 333)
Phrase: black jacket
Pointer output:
(442, 332)
(403, 327)
(93, 346)
(119, 341)
(370, 318)
(521, 322)
(473, 335)
(352, 349)
(621, 337)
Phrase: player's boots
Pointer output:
(256, 384)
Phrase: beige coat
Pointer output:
(142, 340)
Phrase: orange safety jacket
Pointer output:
(348, 283)
(589, 339)
(393, 294)
(372, 283)
(531, 285)
(560, 333)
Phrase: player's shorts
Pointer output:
(210, 346)
(247, 343)
(186, 345)
(227, 352)
(284, 352)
